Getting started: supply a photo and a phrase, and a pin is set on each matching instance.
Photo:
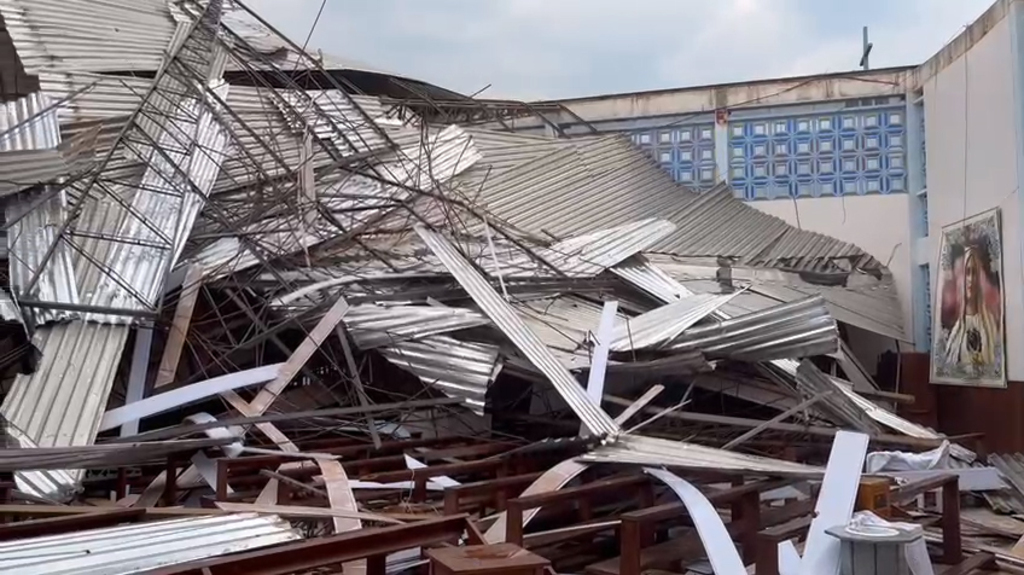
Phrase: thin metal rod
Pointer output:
(777, 419)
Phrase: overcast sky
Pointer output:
(534, 49)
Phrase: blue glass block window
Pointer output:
(687, 152)
(852, 152)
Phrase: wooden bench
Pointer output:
(639, 552)
(637, 486)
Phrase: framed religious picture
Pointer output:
(968, 336)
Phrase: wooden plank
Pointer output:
(178, 333)
(639, 404)
(777, 419)
(364, 400)
(265, 398)
(974, 563)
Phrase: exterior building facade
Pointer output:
(834, 154)
(886, 159)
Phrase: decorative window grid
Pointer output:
(852, 152)
(687, 152)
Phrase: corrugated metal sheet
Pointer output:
(263, 117)
(841, 409)
(1011, 500)
(90, 97)
(660, 326)
(29, 239)
(123, 253)
(140, 547)
(29, 126)
(563, 324)
(591, 254)
(865, 302)
(505, 318)
(55, 484)
(29, 123)
(800, 329)
(374, 326)
(789, 368)
(335, 116)
(639, 450)
(62, 403)
(356, 200)
(742, 387)
(456, 368)
(9, 311)
(172, 190)
(27, 168)
(101, 456)
(642, 274)
(89, 35)
(875, 309)
(607, 182)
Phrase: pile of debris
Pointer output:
(260, 321)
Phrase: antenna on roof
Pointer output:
(866, 54)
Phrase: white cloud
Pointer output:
(562, 48)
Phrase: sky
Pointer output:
(547, 49)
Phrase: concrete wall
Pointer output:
(619, 112)
(972, 155)
(877, 224)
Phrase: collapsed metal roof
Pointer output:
(167, 193)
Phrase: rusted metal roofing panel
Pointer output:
(456, 368)
(144, 546)
(505, 318)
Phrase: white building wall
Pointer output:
(877, 224)
(972, 158)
